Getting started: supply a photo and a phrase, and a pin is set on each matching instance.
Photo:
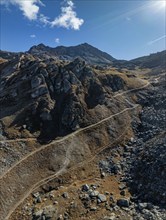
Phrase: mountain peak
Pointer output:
(41, 45)
(85, 44)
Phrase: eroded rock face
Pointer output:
(114, 82)
(36, 82)
(73, 114)
(39, 92)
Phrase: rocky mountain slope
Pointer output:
(59, 117)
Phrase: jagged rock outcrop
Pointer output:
(55, 97)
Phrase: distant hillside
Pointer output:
(156, 60)
(85, 51)
(151, 61)
(8, 55)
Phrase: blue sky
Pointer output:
(124, 29)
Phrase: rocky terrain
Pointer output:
(82, 135)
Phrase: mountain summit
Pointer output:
(87, 52)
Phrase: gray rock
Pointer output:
(150, 206)
(35, 82)
(94, 186)
(112, 199)
(84, 197)
(38, 213)
(93, 208)
(60, 217)
(39, 92)
(66, 85)
(65, 195)
(45, 115)
(122, 186)
(102, 198)
(107, 207)
(94, 193)
(123, 193)
(132, 139)
(142, 206)
(36, 195)
(111, 217)
(103, 174)
(44, 72)
(50, 212)
(123, 202)
(14, 93)
(24, 126)
(66, 216)
(85, 187)
(55, 202)
(148, 215)
(39, 200)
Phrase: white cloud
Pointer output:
(33, 36)
(57, 40)
(156, 40)
(44, 19)
(29, 8)
(68, 18)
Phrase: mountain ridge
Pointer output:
(88, 53)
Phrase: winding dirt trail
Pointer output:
(18, 140)
(66, 159)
